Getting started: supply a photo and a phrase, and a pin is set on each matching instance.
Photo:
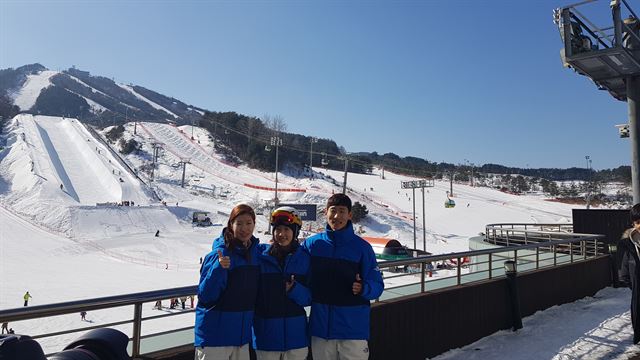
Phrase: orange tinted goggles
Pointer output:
(285, 218)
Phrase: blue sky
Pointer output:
(441, 80)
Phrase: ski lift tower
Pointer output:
(610, 57)
(157, 146)
(184, 162)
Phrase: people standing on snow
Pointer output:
(183, 301)
(630, 269)
(157, 233)
(280, 329)
(345, 279)
(26, 298)
(83, 315)
(5, 326)
(227, 290)
(158, 305)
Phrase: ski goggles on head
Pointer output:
(285, 218)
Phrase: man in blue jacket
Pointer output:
(345, 278)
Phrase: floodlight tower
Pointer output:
(610, 57)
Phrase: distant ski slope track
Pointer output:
(182, 147)
(26, 97)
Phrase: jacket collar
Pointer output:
(343, 234)
(634, 236)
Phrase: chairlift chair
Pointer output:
(324, 161)
(449, 203)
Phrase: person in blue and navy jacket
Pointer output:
(345, 278)
(280, 323)
(227, 290)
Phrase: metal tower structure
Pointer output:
(610, 57)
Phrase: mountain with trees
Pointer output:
(96, 100)
(102, 102)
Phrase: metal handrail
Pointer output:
(137, 299)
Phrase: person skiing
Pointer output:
(26, 298)
(83, 315)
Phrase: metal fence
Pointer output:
(402, 278)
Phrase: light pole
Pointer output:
(346, 166)
(471, 166)
(588, 159)
(277, 142)
(413, 185)
(313, 140)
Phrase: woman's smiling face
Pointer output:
(243, 227)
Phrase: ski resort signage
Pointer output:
(416, 184)
(307, 212)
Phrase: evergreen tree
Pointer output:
(358, 212)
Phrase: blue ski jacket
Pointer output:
(227, 297)
(280, 321)
(336, 258)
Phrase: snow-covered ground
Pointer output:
(26, 97)
(61, 246)
(596, 327)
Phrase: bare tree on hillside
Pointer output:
(276, 123)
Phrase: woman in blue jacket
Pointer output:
(280, 323)
(227, 290)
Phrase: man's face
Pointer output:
(636, 225)
(337, 217)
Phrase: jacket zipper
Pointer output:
(284, 319)
(333, 256)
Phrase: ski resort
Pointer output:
(115, 200)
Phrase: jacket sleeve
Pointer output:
(372, 284)
(300, 293)
(213, 279)
(624, 275)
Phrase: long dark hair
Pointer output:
(230, 240)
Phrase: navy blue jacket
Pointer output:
(227, 297)
(630, 276)
(336, 258)
(280, 322)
